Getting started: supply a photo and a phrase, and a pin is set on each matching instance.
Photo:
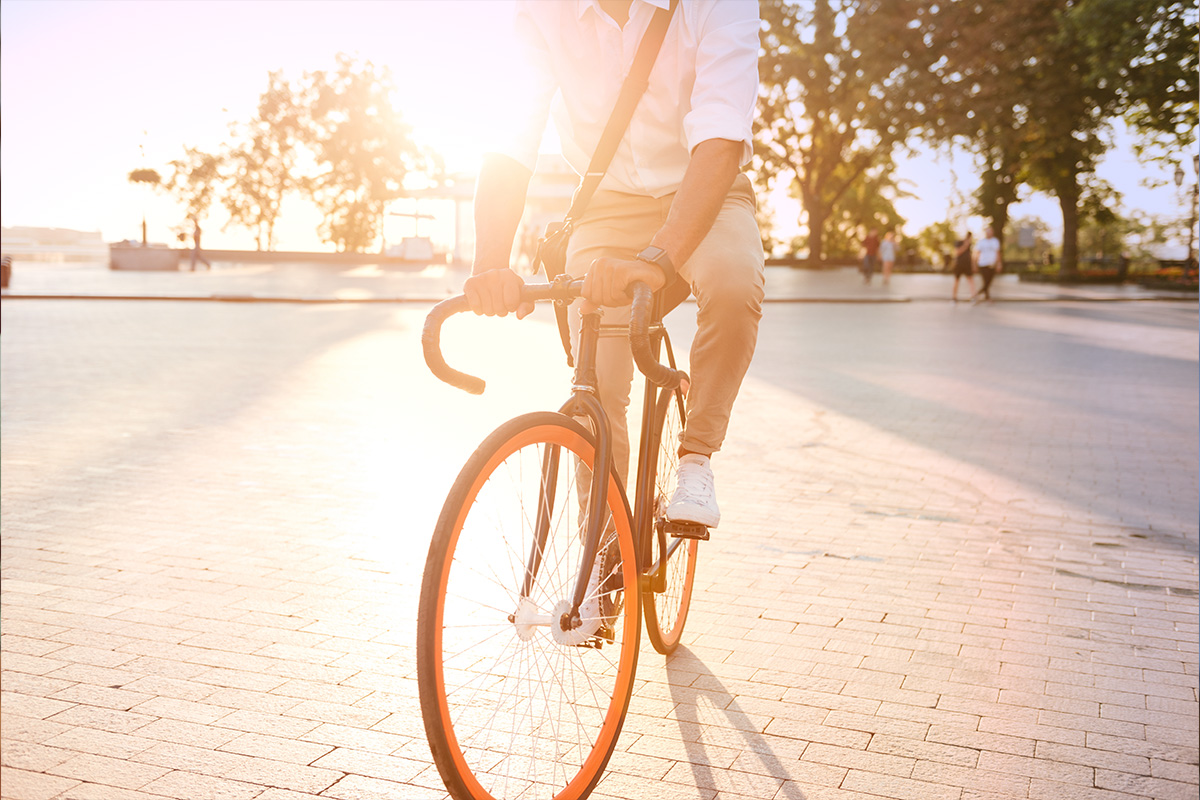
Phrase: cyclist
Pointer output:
(673, 204)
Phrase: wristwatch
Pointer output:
(659, 258)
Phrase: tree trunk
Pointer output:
(817, 216)
(1068, 200)
(1000, 220)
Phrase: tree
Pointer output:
(935, 243)
(362, 148)
(1102, 231)
(1000, 180)
(1035, 84)
(195, 181)
(1148, 51)
(1014, 253)
(148, 178)
(834, 100)
(867, 203)
(976, 89)
(264, 164)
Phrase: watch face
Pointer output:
(655, 255)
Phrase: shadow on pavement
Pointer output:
(686, 712)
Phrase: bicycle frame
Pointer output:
(584, 402)
(512, 569)
(646, 334)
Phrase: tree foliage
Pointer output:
(195, 181)
(264, 162)
(335, 137)
(362, 149)
(866, 203)
(834, 101)
(1033, 86)
(934, 243)
(145, 176)
(1147, 52)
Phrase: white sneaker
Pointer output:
(695, 498)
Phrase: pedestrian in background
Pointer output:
(963, 265)
(870, 248)
(196, 256)
(989, 260)
(887, 255)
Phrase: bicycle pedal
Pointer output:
(686, 530)
(603, 636)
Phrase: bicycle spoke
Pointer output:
(526, 707)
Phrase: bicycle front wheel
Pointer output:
(514, 704)
(668, 594)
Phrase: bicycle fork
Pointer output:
(584, 402)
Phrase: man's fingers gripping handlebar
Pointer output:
(561, 291)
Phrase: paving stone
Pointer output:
(958, 558)
(185, 785)
(20, 784)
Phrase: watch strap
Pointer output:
(659, 258)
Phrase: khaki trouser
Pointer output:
(726, 276)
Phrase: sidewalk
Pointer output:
(957, 558)
(373, 283)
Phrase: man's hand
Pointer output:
(496, 293)
(608, 280)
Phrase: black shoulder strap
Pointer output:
(631, 92)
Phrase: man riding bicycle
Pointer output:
(673, 204)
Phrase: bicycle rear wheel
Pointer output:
(512, 704)
(668, 594)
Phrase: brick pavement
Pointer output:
(958, 556)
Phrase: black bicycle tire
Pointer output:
(460, 780)
(664, 619)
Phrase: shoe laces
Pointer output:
(695, 480)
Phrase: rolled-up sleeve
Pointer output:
(531, 85)
(726, 89)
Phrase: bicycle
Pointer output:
(529, 627)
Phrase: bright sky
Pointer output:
(87, 85)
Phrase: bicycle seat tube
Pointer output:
(585, 402)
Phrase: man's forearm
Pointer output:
(500, 192)
(710, 173)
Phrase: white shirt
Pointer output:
(704, 85)
(988, 251)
